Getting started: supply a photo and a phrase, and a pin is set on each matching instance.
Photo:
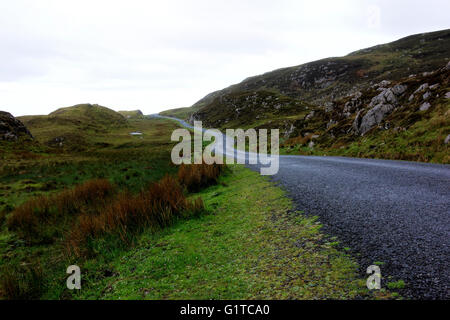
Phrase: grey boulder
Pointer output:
(373, 117)
(425, 106)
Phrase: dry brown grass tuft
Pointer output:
(300, 140)
(32, 219)
(91, 192)
(155, 208)
(88, 212)
(197, 176)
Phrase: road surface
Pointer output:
(394, 213)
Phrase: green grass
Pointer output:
(128, 161)
(250, 246)
(37, 169)
(400, 284)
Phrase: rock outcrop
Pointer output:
(11, 128)
(381, 106)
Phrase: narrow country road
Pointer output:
(395, 213)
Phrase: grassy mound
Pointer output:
(74, 127)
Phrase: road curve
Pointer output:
(393, 212)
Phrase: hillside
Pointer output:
(407, 119)
(133, 114)
(331, 78)
(333, 102)
(181, 113)
(74, 127)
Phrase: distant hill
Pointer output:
(343, 102)
(71, 127)
(331, 78)
(181, 113)
(90, 113)
(327, 79)
(133, 114)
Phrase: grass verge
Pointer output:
(251, 245)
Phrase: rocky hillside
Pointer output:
(11, 129)
(336, 105)
(323, 80)
(407, 119)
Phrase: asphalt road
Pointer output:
(393, 212)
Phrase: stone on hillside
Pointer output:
(425, 106)
(356, 95)
(329, 106)
(398, 89)
(357, 122)
(11, 128)
(373, 117)
(447, 95)
(426, 95)
(310, 115)
(388, 96)
(384, 83)
(381, 105)
(289, 131)
(422, 87)
(381, 98)
(331, 123)
(447, 139)
(434, 86)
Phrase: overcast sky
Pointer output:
(156, 55)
